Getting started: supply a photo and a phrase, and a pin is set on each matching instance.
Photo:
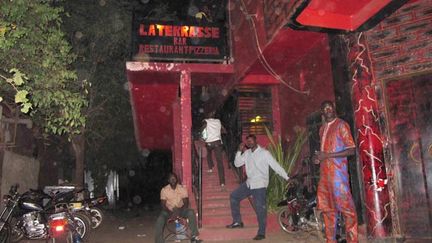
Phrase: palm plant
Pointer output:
(287, 159)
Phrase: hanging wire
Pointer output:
(261, 56)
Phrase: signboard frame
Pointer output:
(178, 41)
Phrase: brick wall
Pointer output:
(402, 43)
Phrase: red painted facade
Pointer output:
(297, 64)
(161, 103)
(397, 53)
(152, 102)
(154, 88)
(313, 71)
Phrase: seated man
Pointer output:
(175, 202)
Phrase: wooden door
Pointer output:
(409, 106)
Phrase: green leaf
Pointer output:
(287, 160)
(26, 108)
(18, 77)
(21, 96)
(2, 30)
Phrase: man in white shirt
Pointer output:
(213, 139)
(257, 161)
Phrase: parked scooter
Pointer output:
(25, 216)
(299, 211)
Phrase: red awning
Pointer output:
(340, 15)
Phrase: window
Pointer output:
(255, 108)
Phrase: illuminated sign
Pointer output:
(186, 41)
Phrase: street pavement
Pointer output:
(137, 226)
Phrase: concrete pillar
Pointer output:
(369, 139)
(177, 148)
(186, 128)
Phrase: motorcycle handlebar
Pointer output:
(13, 189)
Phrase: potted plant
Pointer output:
(287, 158)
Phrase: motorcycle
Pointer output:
(299, 211)
(74, 200)
(91, 208)
(62, 230)
(25, 216)
(10, 202)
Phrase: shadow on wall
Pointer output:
(19, 169)
(140, 184)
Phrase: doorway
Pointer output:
(409, 107)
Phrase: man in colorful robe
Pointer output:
(333, 189)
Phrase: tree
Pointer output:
(35, 63)
(100, 35)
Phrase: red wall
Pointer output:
(243, 39)
(317, 76)
(152, 104)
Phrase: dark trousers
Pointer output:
(163, 218)
(216, 146)
(259, 199)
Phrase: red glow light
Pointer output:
(58, 225)
(59, 228)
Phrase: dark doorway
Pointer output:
(140, 183)
(409, 106)
(314, 122)
(230, 119)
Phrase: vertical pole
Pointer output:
(177, 148)
(186, 128)
(369, 139)
(200, 198)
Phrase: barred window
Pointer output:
(255, 108)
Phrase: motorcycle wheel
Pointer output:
(5, 234)
(286, 221)
(83, 224)
(16, 234)
(96, 217)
